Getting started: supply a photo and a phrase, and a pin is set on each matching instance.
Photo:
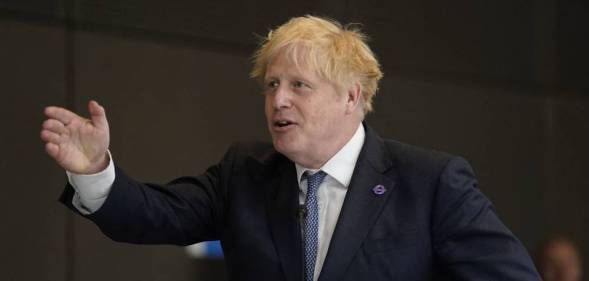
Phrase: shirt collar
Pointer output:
(341, 165)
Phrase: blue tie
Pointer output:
(311, 223)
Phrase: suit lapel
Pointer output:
(282, 207)
(361, 207)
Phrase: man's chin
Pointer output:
(280, 147)
(283, 147)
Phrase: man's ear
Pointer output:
(353, 96)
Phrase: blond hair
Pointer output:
(338, 53)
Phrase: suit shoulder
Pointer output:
(408, 155)
(260, 151)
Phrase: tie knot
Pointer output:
(314, 180)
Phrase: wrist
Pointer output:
(100, 164)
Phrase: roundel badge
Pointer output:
(379, 189)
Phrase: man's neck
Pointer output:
(321, 157)
(341, 165)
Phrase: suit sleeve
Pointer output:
(187, 210)
(470, 241)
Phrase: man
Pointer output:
(558, 259)
(328, 200)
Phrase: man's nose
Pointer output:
(282, 97)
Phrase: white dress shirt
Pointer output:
(92, 190)
(332, 191)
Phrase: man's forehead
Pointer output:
(287, 63)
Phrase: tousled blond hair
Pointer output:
(338, 53)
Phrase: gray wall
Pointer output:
(34, 229)
(502, 84)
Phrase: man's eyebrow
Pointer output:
(302, 78)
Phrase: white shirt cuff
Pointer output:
(92, 190)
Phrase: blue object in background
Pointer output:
(205, 250)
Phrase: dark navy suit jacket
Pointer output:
(431, 223)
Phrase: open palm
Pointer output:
(77, 144)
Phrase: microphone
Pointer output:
(302, 212)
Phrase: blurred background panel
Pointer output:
(34, 231)
(502, 83)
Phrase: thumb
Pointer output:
(98, 115)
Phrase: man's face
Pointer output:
(304, 112)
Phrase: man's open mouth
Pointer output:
(283, 124)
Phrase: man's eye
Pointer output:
(272, 84)
(299, 84)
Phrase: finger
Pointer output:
(52, 149)
(97, 114)
(61, 114)
(54, 126)
(49, 136)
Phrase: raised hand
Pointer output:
(77, 144)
